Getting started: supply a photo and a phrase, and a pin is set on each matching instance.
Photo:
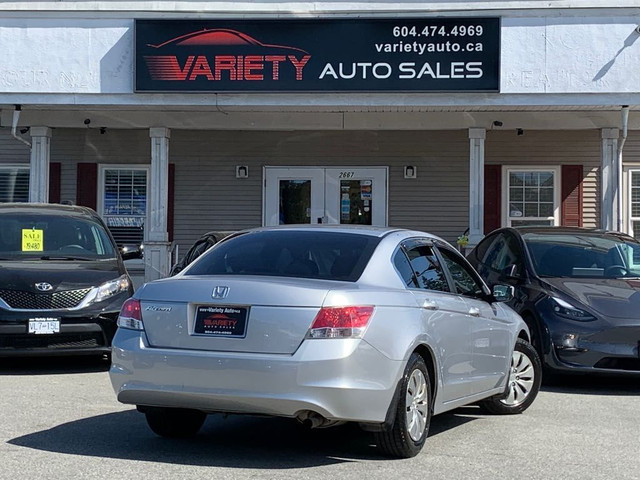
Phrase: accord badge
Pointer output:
(153, 308)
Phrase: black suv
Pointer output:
(62, 280)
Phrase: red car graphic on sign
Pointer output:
(247, 58)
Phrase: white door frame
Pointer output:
(271, 191)
(326, 194)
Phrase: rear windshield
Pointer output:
(301, 254)
(49, 237)
(583, 255)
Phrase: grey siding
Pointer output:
(553, 148)
(12, 150)
(209, 197)
(631, 149)
(73, 146)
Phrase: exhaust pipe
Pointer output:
(311, 419)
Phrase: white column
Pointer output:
(609, 179)
(476, 184)
(39, 166)
(157, 246)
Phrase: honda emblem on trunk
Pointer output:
(220, 292)
(44, 286)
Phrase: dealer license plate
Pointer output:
(221, 321)
(45, 326)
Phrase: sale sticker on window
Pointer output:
(32, 240)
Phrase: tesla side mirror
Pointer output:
(503, 293)
(130, 251)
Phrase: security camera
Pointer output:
(87, 121)
(497, 123)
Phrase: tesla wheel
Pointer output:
(523, 384)
(412, 415)
(175, 422)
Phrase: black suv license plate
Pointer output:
(221, 321)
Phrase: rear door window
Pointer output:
(403, 266)
(465, 279)
(424, 267)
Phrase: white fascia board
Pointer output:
(313, 8)
(324, 101)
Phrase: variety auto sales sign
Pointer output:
(421, 54)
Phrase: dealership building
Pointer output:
(175, 118)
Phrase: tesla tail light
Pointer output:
(341, 322)
(131, 315)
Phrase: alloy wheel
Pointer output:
(417, 405)
(521, 379)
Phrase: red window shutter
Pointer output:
(87, 185)
(571, 211)
(492, 197)
(54, 182)
(170, 200)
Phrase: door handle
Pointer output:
(474, 312)
(430, 305)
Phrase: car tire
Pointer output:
(175, 422)
(525, 377)
(412, 414)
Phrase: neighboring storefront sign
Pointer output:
(419, 54)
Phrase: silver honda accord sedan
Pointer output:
(325, 324)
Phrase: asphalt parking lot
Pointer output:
(59, 419)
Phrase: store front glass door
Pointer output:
(325, 195)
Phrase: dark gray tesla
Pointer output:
(577, 289)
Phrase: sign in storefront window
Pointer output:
(531, 197)
(124, 203)
(394, 54)
(14, 184)
(355, 202)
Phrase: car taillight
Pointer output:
(341, 322)
(131, 315)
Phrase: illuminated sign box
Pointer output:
(347, 55)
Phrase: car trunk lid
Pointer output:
(231, 314)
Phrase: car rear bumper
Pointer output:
(335, 378)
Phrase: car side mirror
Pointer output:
(503, 293)
(129, 251)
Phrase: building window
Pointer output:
(532, 196)
(14, 184)
(634, 203)
(123, 202)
